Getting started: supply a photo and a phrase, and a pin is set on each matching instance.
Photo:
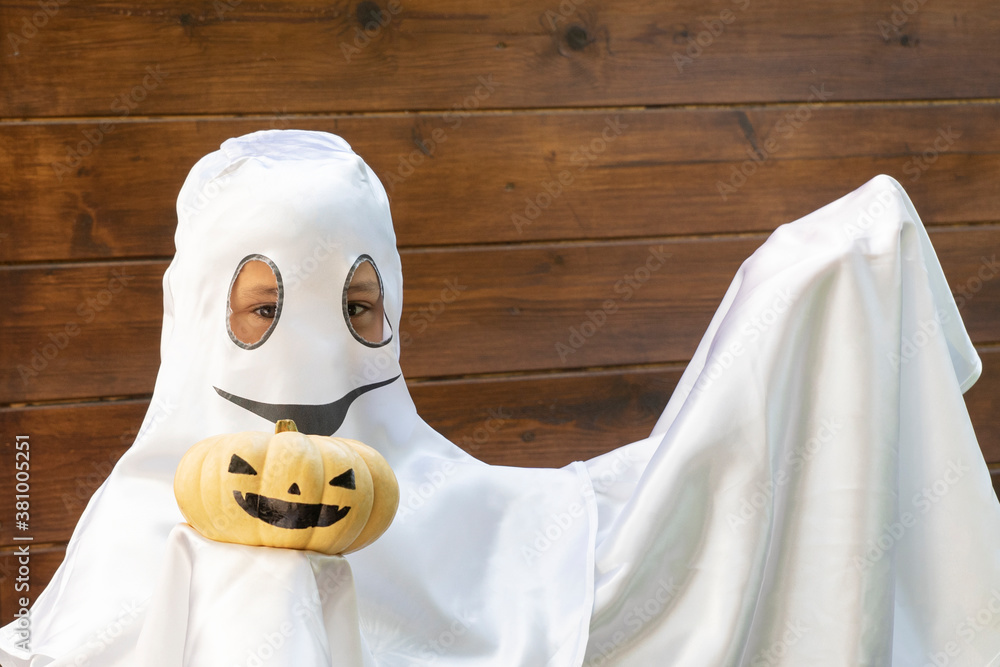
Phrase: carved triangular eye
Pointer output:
(344, 480)
(240, 467)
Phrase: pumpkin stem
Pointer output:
(283, 425)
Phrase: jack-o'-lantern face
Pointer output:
(292, 490)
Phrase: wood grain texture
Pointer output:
(494, 178)
(466, 311)
(72, 451)
(118, 57)
(81, 330)
(549, 420)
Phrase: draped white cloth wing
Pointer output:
(749, 529)
(813, 494)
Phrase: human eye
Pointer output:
(267, 311)
(356, 308)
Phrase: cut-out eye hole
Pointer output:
(238, 466)
(363, 307)
(255, 298)
(344, 480)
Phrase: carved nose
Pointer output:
(294, 490)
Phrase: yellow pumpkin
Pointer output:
(291, 490)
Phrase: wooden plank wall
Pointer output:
(470, 112)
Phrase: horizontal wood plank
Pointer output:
(80, 331)
(72, 450)
(42, 564)
(76, 191)
(118, 57)
(550, 420)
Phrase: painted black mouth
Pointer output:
(284, 514)
(314, 419)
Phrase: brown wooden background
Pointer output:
(467, 110)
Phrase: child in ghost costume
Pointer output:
(813, 493)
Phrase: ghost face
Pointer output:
(286, 287)
(256, 300)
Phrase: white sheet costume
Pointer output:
(812, 495)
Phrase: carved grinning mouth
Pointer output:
(285, 514)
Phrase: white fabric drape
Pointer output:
(814, 492)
